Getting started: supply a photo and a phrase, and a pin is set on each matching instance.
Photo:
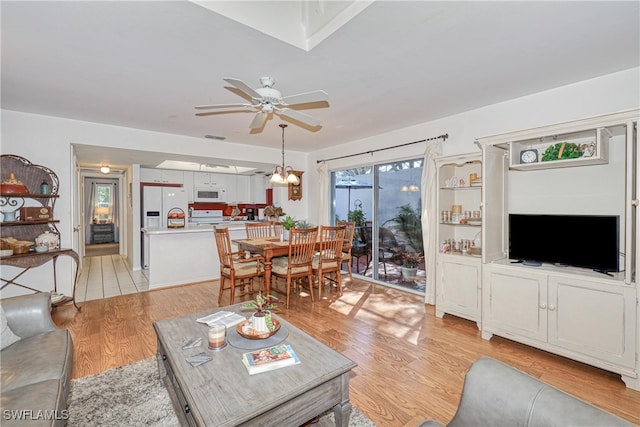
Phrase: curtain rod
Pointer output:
(444, 138)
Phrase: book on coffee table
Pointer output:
(226, 318)
(268, 359)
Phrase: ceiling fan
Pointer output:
(267, 100)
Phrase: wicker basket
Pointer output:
(18, 246)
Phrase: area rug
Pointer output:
(133, 396)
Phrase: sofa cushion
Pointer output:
(39, 404)
(42, 357)
(7, 337)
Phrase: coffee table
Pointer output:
(222, 393)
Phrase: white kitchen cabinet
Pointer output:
(206, 179)
(164, 176)
(188, 186)
(458, 287)
(243, 188)
(258, 189)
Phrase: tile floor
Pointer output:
(107, 276)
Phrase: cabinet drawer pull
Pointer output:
(552, 307)
(186, 409)
(543, 306)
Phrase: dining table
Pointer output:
(268, 248)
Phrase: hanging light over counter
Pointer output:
(283, 175)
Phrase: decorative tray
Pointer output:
(249, 333)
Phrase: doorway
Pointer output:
(100, 214)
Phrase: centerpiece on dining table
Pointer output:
(273, 213)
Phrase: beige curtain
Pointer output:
(323, 193)
(429, 216)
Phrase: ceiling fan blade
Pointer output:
(243, 87)
(258, 120)
(305, 98)
(211, 107)
(301, 117)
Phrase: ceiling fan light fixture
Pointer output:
(105, 169)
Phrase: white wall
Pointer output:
(47, 141)
(607, 94)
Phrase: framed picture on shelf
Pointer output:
(295, 190)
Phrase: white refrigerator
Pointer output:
(156, 204)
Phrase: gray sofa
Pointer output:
(35, 371)
(495, 394)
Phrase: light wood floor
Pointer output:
(411, 365)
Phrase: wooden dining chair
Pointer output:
(239, 271)
(328, 259)
(350, 228)
(297, 263)
(258, 229)
(278, 228)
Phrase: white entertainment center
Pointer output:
(578, 313)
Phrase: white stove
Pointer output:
(206, 216)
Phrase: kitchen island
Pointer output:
(178, 256)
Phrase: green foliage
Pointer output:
(411, 259)
(289, 223)
(356, 216)
(570, 151)
(262, 303)
(303, 224)
(408, 220)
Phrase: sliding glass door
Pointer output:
(385, 202)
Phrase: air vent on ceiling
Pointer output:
(219, 138)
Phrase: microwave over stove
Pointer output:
(210, 195)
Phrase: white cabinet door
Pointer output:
(515, 302)
(593, 318)
(164, 176)
(205, 179)
(188, 186)
(458, 289)
(150, 175)
(258, 189)
(243, 187)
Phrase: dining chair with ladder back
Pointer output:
(240, 272)
(297, 263)
(329, 258)
(350, 228)
(278, 228)
(259, 229)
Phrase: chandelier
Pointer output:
(283, 175)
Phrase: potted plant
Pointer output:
(261, 318)
(409, 268)
(273, 213)
(288, 224)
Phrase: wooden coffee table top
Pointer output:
(222, 393)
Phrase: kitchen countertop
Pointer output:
(196, 228)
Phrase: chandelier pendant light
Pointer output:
(283, 175)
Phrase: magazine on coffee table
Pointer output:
(226, 318)
(268, 359)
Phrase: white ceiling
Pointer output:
(146, 64)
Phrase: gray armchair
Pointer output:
(495, 394)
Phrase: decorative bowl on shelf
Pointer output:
(12, 185)
(245, 330)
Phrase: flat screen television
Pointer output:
(589, 241)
